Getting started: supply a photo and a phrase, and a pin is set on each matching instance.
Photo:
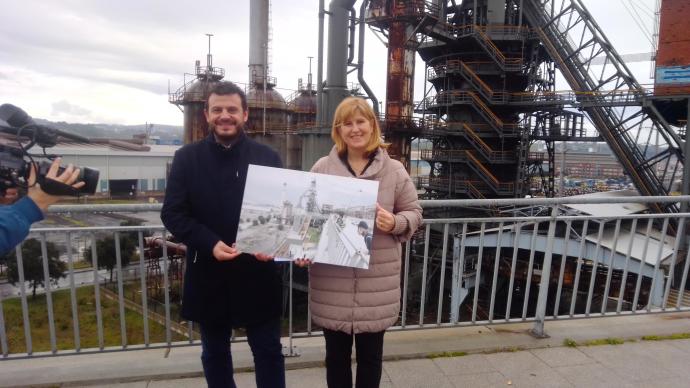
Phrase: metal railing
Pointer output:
(613, 98)
(536, 263)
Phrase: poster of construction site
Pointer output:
(295, 214)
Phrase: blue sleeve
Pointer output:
(15, 222)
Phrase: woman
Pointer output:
(360, 304)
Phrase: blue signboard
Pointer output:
(671, 75)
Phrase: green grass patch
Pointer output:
(675, 336)
(313, 235)
(81, 264)
(446, 354)
(64, 332)
(604, 341)
(569, 342)
(132, 291)
(508, 349)
(73, 222)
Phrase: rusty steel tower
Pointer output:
(191, 97)
(491, 68)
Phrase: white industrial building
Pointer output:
(126, 169)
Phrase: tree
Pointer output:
(32, 260)
(133, 237)
(105, 249)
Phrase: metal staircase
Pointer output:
(507, 64)
(487, 176)
(574, 41)
(473, 192)
(472, 99)
(498, 157)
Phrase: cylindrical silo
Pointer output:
(192, 98)
(273, 130)
(303, 109)
(302, 119)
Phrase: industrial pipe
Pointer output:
(351, 44)
(258, 41)
(360, 59)
(173, 248)
(319, 69)
(318, 143)
(336, 77)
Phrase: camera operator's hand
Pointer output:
(68, 177)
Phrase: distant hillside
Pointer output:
(167, 133)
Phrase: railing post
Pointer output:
(458, 270)
(290, 350)
(455, 285)
(538, 329)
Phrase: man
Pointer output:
(16, 219)
(363, 230)
(224, 288)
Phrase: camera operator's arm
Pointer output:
(16, 219)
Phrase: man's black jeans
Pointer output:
(264, 340)
(369, 348)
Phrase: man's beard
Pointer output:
(226, 138)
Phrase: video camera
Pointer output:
(15, 162)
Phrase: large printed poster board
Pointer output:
(295, 214)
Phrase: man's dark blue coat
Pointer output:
(202, 206)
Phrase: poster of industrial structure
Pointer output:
(295, 214)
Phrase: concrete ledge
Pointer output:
(183, 362)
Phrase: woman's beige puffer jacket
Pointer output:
(355, 300)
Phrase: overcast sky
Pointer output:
(111, 61)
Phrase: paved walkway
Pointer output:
(497, 356)
(640, 364)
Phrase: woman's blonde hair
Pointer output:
(345, 110)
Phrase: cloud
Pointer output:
(155, 41)
(63, 107)
(116, 58)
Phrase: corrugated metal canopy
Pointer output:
(608, 209)
(637, 252)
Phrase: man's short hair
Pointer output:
(363, 225)
(226, 88)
